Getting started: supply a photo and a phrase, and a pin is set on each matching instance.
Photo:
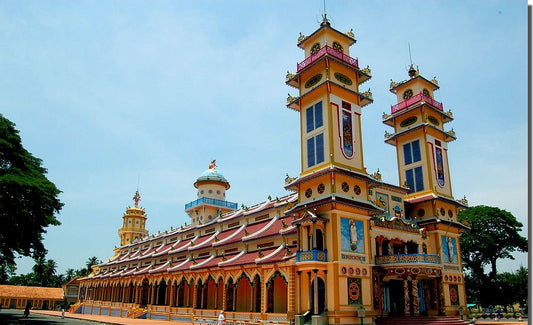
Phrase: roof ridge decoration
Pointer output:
(199, 265)
(260, 231)
(222, 241)
(265, 257)
(185, 261)
(234, 258)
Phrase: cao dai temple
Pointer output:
(342, 247)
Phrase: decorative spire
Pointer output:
(136, 198)
(213, 164)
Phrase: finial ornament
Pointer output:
(350, 33)
(301, 37)
(136, 198)
(213, 164)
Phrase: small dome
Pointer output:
(212, 175)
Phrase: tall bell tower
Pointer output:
(329, 100)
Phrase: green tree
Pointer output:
(69, 274)
(28, 200)
(494, 234)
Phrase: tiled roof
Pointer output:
(8, 291)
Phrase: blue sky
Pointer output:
(112, 95)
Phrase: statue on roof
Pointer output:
(136, 198)
(213, 164)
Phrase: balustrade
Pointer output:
(407, 259)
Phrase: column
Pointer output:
(315, 292)
(325, 290)
(416, 299)
(298, 292)
(216, 296)
(234, 296)
(202, 292)
(298, 246)
(406, 297)
(309, 283)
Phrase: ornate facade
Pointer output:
(342, 242)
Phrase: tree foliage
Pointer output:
(28, 200)
(494, 234)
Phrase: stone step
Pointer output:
(420, 320)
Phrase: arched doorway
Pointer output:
(161, 293)
(277, 294)
(321, 296)
(319, 240)
(145, 290)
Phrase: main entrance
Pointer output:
(393, 298)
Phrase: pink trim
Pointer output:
(413, 100)
(327, 50)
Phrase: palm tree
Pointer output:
(90, 262)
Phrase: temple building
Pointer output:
(343, 247)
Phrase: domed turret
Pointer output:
(211, 202)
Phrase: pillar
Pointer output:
(315, 292)
(309, 284)
(325, 290)
(416, 299)
(406, 297)
(298, 292)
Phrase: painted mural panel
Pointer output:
(454, 295)
(449, 249)
(354, 291)
(382, 200)
(440, 166)
(352, 236)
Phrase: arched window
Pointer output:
(337, 46)
(315, 48)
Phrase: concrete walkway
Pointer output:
(108, 319)
(131, 321)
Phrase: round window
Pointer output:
(421, 213)
(345, 187)
(408, 94)
(321, 188)
(308, 193)
(357, 189)
(442, 211)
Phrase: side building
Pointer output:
(344, 246)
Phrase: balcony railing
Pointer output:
(407, 259)
(413, 100)
(206, 200)
(331, 51)
(312, 255)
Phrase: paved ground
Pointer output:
(41, 317)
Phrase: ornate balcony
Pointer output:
(312, 256)
(210, 201)
(413, 100)
(407, 259)
(330, 51)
